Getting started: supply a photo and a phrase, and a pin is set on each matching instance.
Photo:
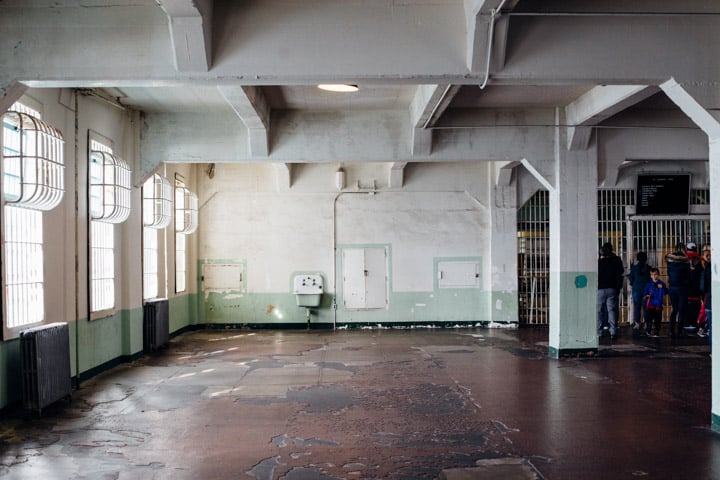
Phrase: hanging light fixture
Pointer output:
(338, 87)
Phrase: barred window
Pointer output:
(157, 202)
(109, 186)
(33, 165)
(109, 204)
(157, 215)
(33, 182)
(150, 263)
(186, 209)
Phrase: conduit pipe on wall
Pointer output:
(334, 246)
(494, 13)
(77, 239)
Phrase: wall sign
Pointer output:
(663, 194)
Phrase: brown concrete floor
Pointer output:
(376, 404)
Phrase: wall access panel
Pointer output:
(365, 278)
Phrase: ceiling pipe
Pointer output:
(494, 13)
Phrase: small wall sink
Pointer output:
(308, 290)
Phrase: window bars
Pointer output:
(109, 188)
(33, 168)
(157, 202)
(186, 210)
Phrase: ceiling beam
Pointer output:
(250, 104)
(396, 174)
(308, 137)
(603, 102)
(500, 40)
(485, 31)
(597, 105)
(479, 15)
(427, 106)
(190, 23)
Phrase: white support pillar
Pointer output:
(714, 161)
(573, 251)
(710, 124)
(503, 245)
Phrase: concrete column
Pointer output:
(709, 123)
(503, 248)
(714, 158)
(573, 251)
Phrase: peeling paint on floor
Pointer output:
(375, 404)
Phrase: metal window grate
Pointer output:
(33, 165)
(157, 202)
(700, 196)
(186, 210)
(180, 262)
(23, 262)
(612, 227)
(102, 234)
(533, 233)
(103, 266)
(150, 263)
(658, 237)
(109, 187)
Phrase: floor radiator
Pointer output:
(45, 356)
(156, 324)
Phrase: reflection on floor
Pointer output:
(377, 404)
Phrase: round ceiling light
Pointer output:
(338, 87)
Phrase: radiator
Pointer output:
(156, 324)
(45, 369)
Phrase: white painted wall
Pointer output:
(440, 212)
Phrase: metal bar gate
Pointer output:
(629, 234)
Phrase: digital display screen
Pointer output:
(663, 194)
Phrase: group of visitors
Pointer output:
(689, 278)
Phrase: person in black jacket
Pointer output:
(678, 270)
(610, 279)
(696, 287)
(638, 278)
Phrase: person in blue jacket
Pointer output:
(654, 292)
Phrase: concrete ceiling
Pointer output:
(252, 67)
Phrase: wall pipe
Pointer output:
(77, 238)
(494, 13)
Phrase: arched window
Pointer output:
(33, 182)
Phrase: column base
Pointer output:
(572, 352)
(715, 422)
